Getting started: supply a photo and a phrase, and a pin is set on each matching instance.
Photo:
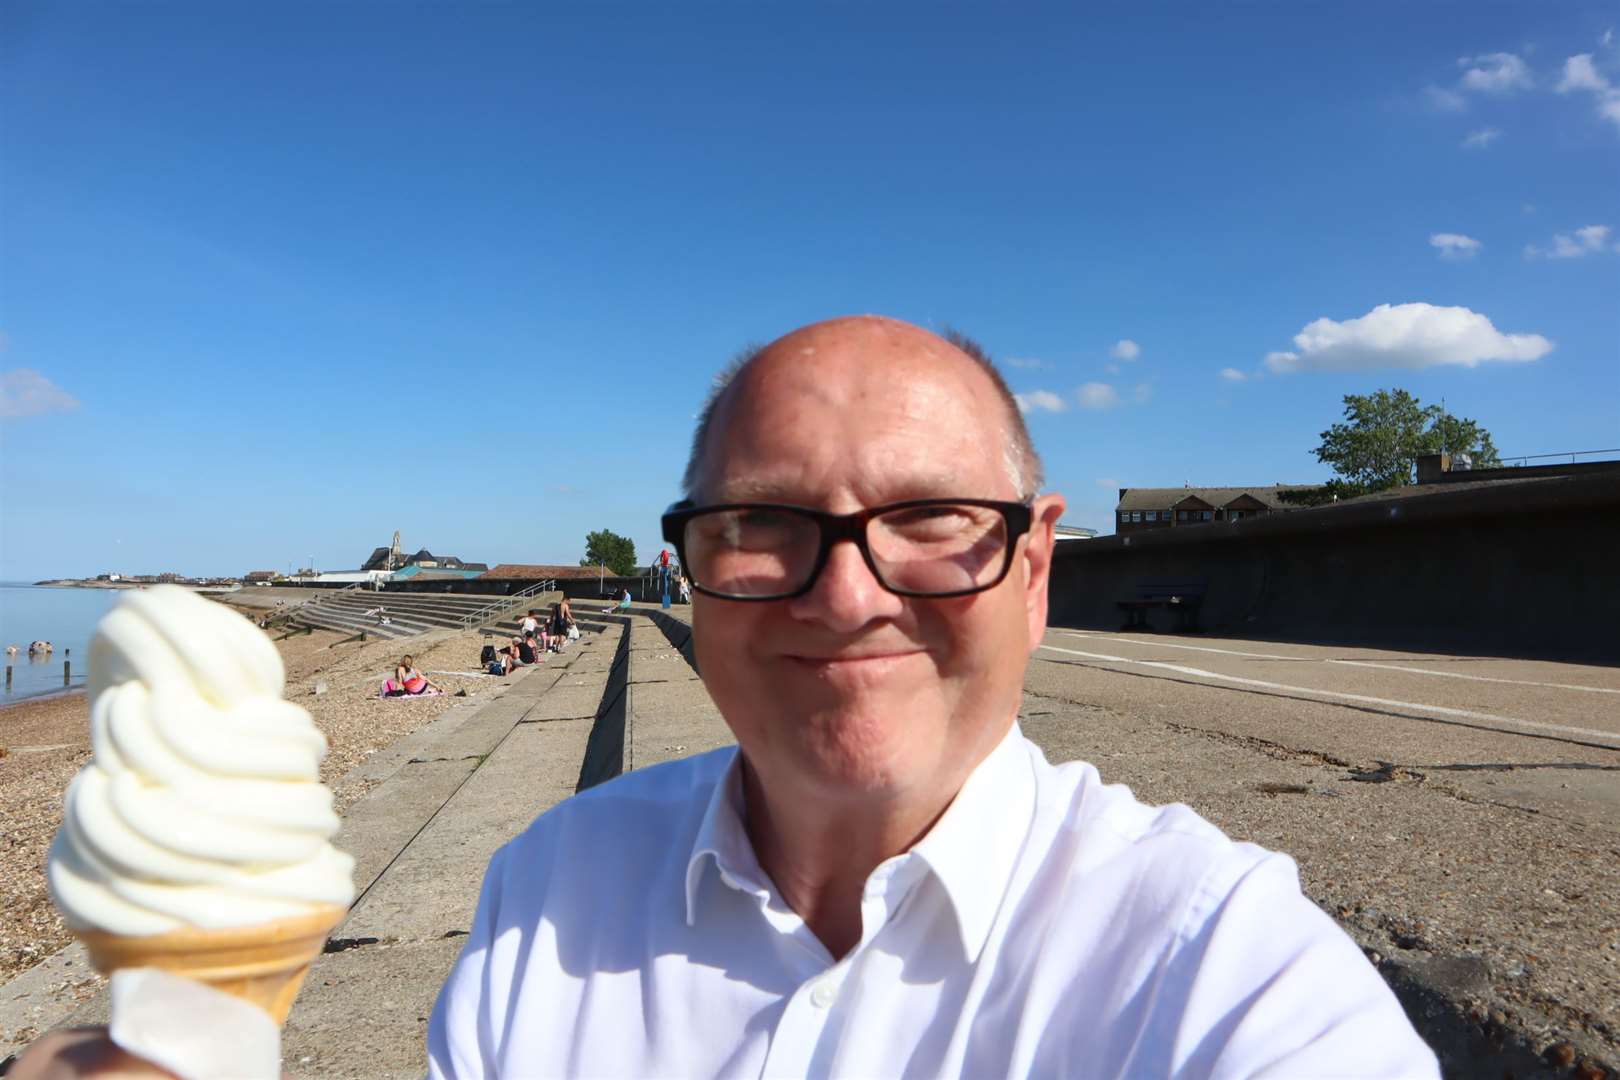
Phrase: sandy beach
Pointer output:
(44, 742)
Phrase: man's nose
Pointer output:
(846, 596)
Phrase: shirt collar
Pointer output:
(975, 844)
(723, 838)
(971, 850)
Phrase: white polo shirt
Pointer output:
(1048, 925)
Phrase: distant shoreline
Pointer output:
(67, 583)
(34, 699)
(79, 583)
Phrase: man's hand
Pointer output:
(81, 1052)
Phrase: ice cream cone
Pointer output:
(264, 964)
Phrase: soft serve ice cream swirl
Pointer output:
(202, 805)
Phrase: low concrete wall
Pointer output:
(1524, 569)
(679, 633)
(573, 588)
(604, 751)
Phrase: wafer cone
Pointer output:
(263, 964)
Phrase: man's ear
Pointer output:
(1038, 563)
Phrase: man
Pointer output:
(886, 878)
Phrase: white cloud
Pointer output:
(1405, 336)
(1232, 374)
(1125, 349)
(25, 392)
(1608, 38)
(1040, 401)
(1097, 395)
(1455, 245)
(1586, 240)
(1479, 140)
(1106, 482)
(1024, 362)
(1443, 100)
(1494, 73)
(1581, 74)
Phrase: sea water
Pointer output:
(65, 617)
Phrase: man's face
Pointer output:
(850, 690)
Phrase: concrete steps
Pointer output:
(408, 614)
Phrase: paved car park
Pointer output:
(1459, 815)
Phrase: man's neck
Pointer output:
(819, 861)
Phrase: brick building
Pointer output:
(1168, 508)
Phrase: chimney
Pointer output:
(1431, 468)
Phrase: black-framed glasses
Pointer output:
(921, 547)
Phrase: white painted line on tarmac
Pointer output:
(1340, 695)
(1477, 678)
(1327, 660)
(1189, 648)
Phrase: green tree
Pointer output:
(608, 548)
(1384, 432)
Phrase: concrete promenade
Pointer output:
(1459, 816)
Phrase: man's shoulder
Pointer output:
(1113, 831)
(650, 811)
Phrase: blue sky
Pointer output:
(281, 279)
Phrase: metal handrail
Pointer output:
(1571, 454)
(468, 621)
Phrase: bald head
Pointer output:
(860, 355)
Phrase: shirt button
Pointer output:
(824, 994)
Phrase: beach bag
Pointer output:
(486, 655)
(573, 633)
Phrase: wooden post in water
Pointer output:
(8, 677)
(67, 671)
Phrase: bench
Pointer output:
(1181, 597)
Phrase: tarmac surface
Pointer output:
(1459, 816)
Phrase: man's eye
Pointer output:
(929, 520)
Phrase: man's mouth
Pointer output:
(864, 662)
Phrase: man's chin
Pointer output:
(861, 748)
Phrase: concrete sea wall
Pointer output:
(1528, 568)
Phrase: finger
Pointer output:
(81, 1052)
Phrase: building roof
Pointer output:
(541, 571)
(1165, 498)
(1413, 491)
(379, 559)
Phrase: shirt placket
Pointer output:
(820, 1002)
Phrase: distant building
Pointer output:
(1073, 532)
(424, 558)
(255, 577)
(1168, 508)
(429, 572)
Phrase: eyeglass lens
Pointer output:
(935, 549)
